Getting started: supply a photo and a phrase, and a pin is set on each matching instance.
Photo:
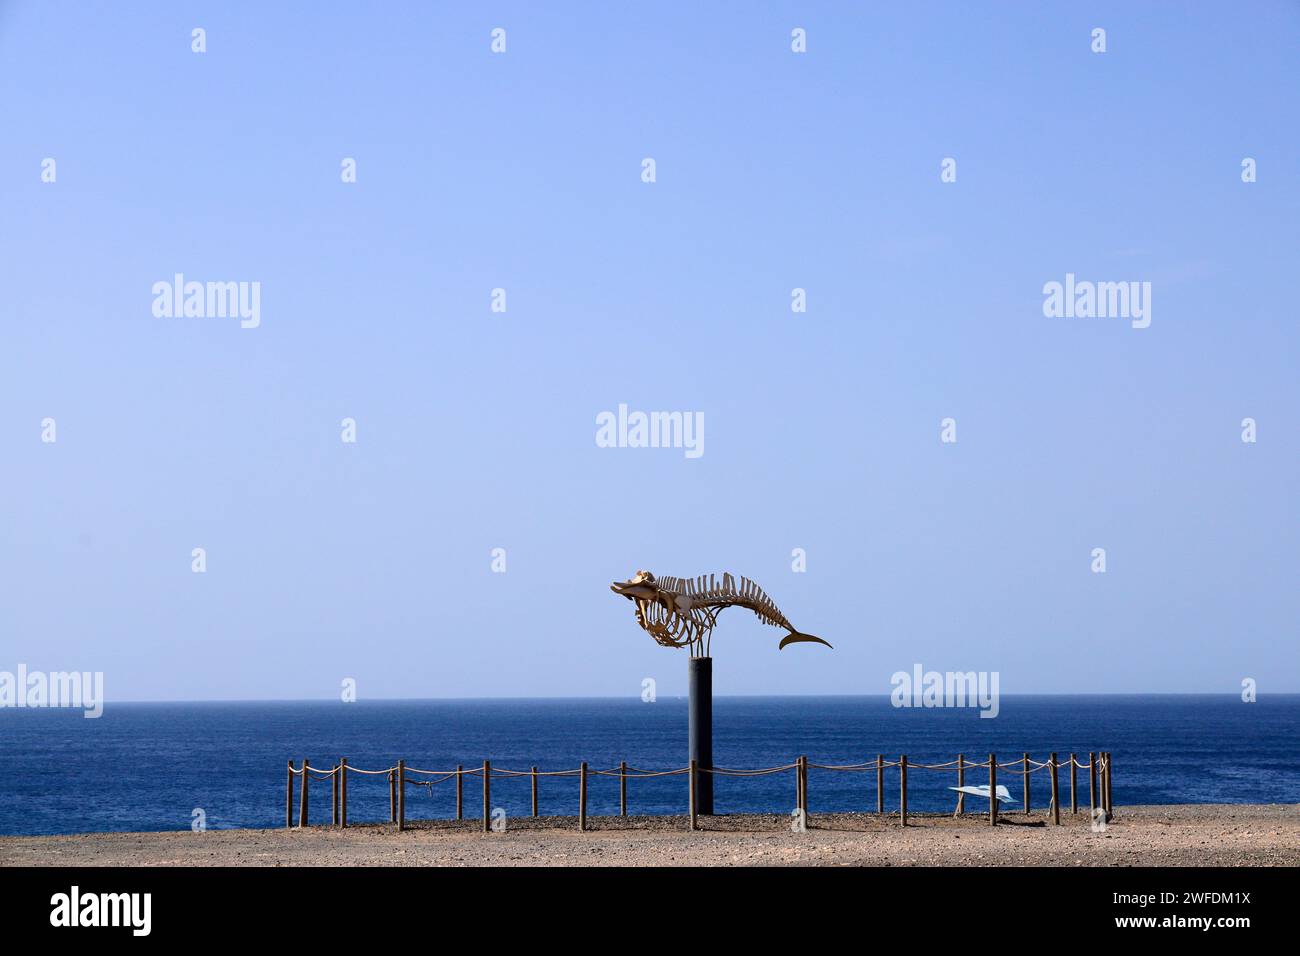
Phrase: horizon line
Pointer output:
(681, 696)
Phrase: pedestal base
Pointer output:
(700, 670)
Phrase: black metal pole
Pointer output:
(701, 728)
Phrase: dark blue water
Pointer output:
(149, 766)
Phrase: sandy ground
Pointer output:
(1190, 835)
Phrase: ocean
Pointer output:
(145, 766)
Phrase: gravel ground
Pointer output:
(1183, 835)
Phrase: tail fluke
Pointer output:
(794, 637)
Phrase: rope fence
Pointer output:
(400, 777)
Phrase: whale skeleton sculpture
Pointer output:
(682, 612)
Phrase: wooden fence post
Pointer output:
(1026, 776)
(902, 789)
(343, 791)
(401, 795)
(1105, 786)
(691, 771)
(798, 783)
(1110, 806)
(622, 788)
(288, 800)
(961, 782)
(1074, 784)
(880, 784)
(1092, 785)
(803, 773)
(1101, 784)
(993, 789)
(487, 796)
(302, 795)
(1056, 793)
(582, 796)
(392, 796)
(534, 776)
(334, 796)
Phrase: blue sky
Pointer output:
(522, 171)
